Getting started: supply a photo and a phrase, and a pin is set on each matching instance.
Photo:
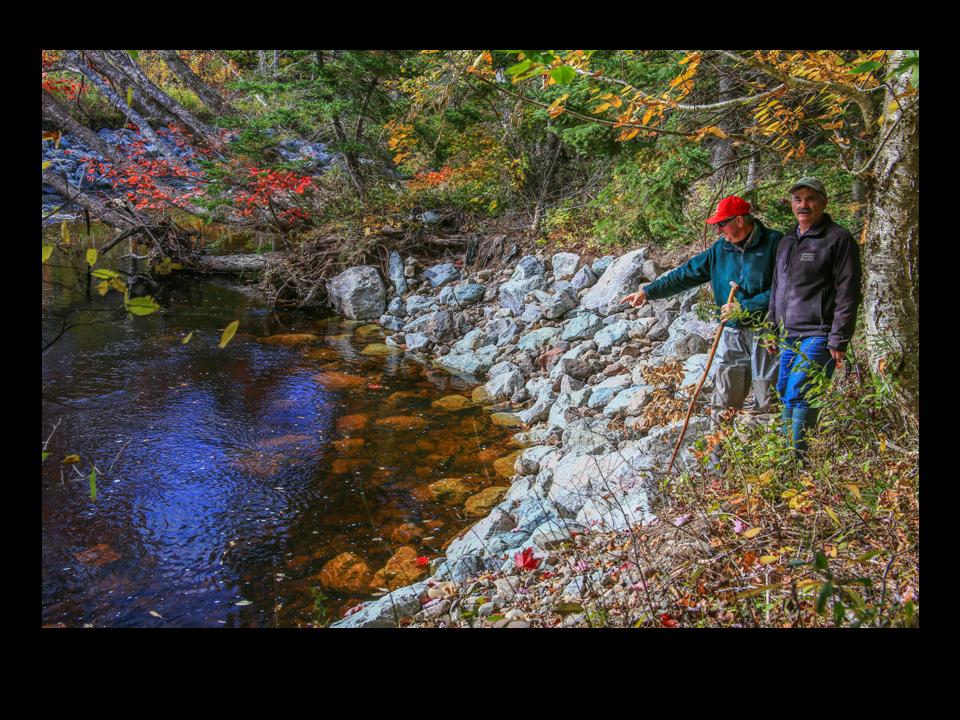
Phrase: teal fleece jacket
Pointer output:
(752, 269)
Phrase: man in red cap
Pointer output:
(744, 254)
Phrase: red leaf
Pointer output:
(667, 621)
(423, 561)
(526, 560)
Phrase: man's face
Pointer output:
(735, 229)
(808, 206)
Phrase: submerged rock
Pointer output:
(289, 339)
(346, 573)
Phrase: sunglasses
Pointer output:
(723, 223)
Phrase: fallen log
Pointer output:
(235, 264)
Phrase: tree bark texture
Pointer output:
(95, 206)
(136, 118)
(892, 257)
(56, 113)
(129, 66)
(208, 96)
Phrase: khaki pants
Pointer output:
(742, 364)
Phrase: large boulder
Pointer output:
(473, 362)
(620, 278)
(358, 293)
(387, 611)
(438, 326)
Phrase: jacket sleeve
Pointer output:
(757, 303)
(846, 279)
(692, 273)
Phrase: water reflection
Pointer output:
(228, 479)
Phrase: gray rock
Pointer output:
(358, 293)
(475, 540)
(584, 278)
(417, 304)
(442, 273)
(600, 265)
(387, 610)
(438, 326)
(416, 341)
(622, 400)
(620, 278)
(599, 398)
(537, 339)
(466, 567)
(554, 533)
(688, 335)
(560, 303)
(611, 335)
(395, 271)
(512, 293)
(693, 370)
(391, 323)
(531, 313)
(581, 327)
(538, 411)
(527, 267)
(505, 384)
(469, 294)
(475, 362)
(587, 437)
(397, 307)
(501, 330)
(565, 265)
(619, 511)
(502, 367)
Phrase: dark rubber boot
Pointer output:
(804, 422)
(786, 424)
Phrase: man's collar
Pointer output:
(815, 229)
(752, 239)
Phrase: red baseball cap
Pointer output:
(729, 207)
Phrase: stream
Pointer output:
(227, 478)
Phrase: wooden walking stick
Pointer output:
(716, 341)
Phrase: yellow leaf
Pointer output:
(855, 491)
(103, 287)
(65, 232)
(615, 101)
(830, 550)
(129, 96)
(91, 256)
(45, 165)
(765, 478)
(752, 532)
(45, 252)
(187, 338)
(228, 333)
(601, 107)
(883, 443)
(768, 559)
(646, 116)
(71, 460)
(554, 112)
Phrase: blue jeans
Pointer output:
(799, 357)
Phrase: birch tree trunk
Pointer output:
(73, 57)
(892, 257)
(208, 96)
(97, 208)
(129, 66)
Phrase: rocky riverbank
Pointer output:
(597, 391)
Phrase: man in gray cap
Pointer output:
(814, 297)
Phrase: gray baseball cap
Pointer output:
(809, 182)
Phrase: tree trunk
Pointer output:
(892, 262)
(553, 153)
(129, 66)
(208, 96)
(141, 103)
(56, 113)
(73, 57)
(95, 206)
(723, 152)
